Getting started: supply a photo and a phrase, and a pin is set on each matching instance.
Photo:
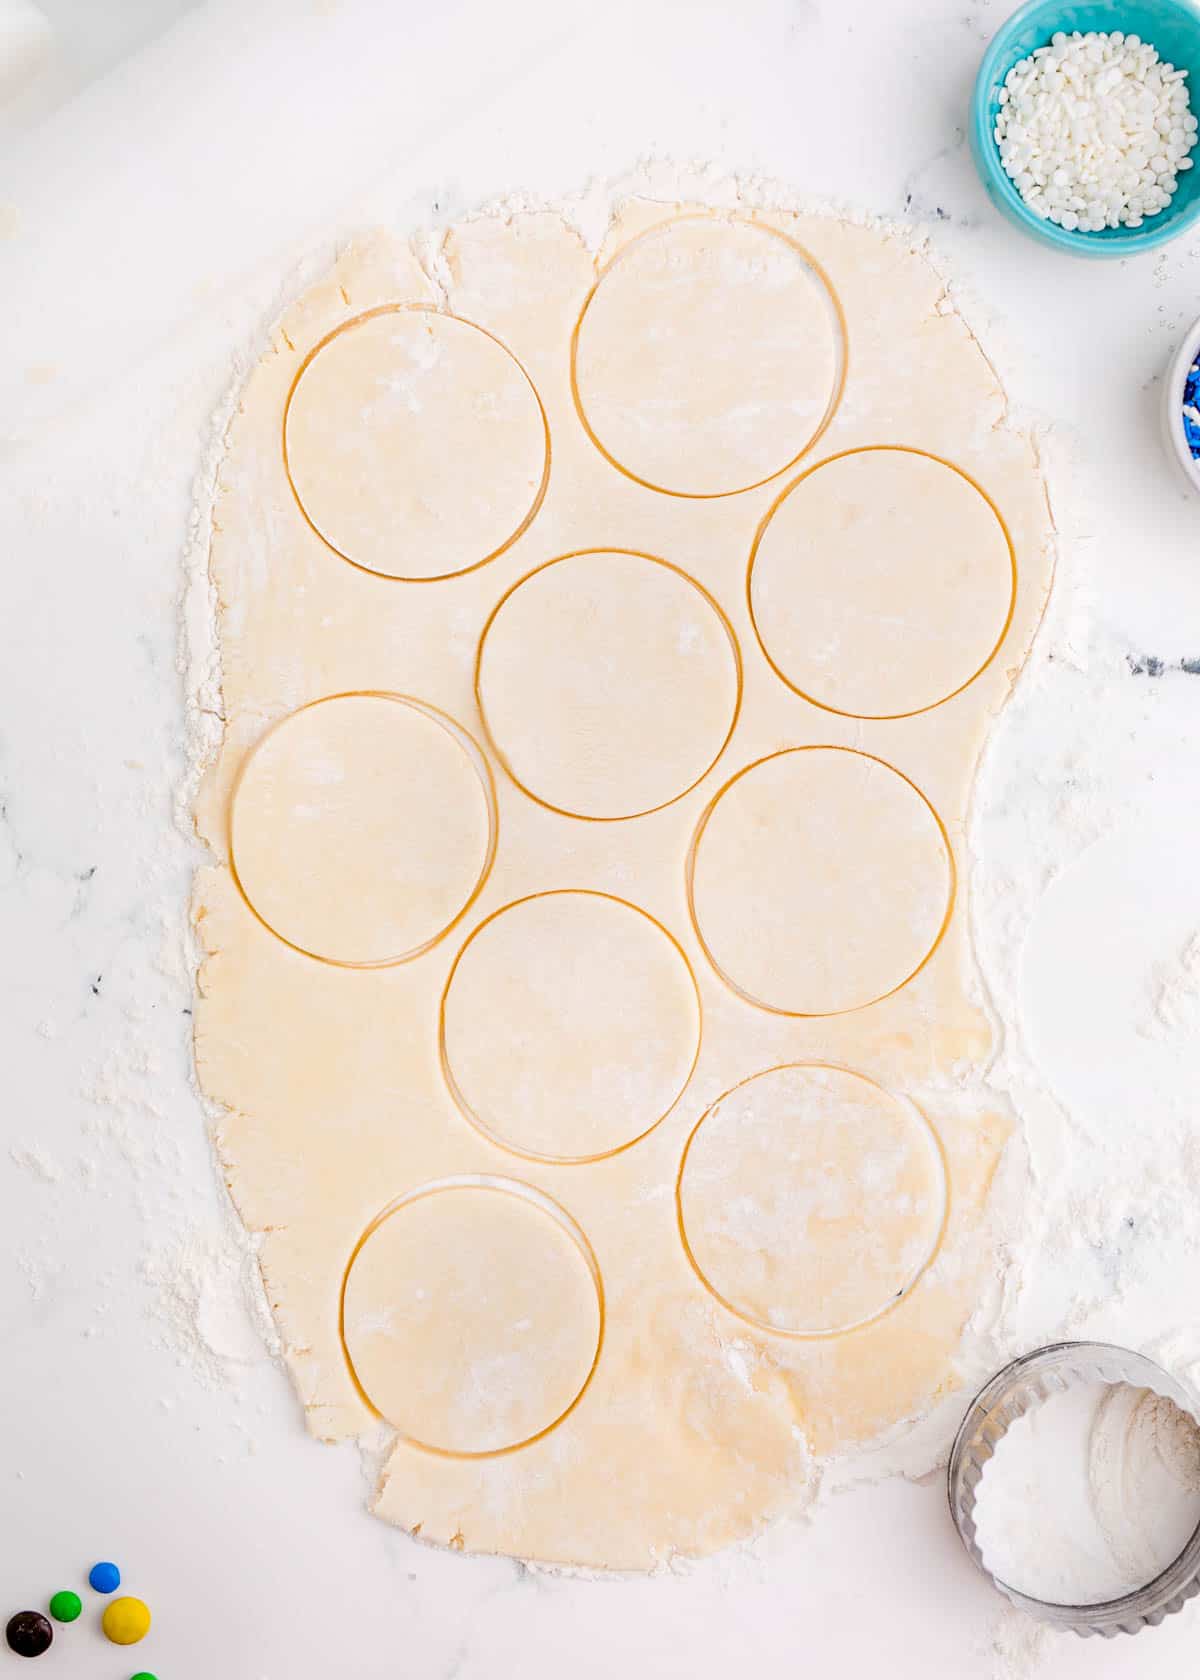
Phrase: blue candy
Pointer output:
(104, 1577)
(1191, 409)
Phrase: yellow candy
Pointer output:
(126, 1621)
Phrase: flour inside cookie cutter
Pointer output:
(1021, 1386)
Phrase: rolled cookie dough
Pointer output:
(588, 1351)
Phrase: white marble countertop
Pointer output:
(145, 230)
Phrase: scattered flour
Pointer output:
(37, 1161)
(208, 1300)
(1017, 1644)
(1175, 993)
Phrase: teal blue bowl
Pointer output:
(1173, 26)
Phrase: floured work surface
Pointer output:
(608, 643)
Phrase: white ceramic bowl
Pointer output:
(1172, 412)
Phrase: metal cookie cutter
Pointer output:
(1017, 1389)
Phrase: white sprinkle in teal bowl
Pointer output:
(1172, 26)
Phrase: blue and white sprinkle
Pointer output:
(1191, 408)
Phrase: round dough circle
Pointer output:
(570, 1025)
(365, 444)
(709, 356)
(810, 1200)
(881, 583)
(472, 1315)
(362, 827)
(819, 880)
(609, 683)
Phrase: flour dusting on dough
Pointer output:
(707, 1431)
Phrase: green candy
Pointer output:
(66, 1606)
(144, 1676)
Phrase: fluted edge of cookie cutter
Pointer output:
(1028, 1382)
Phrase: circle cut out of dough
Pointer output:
(709, 356)
(881, 583)
(569, 1026)
(362, 827)
(472, 1315)
(365, 445)
(819, 880)
(609, 683)
(810, 1200)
